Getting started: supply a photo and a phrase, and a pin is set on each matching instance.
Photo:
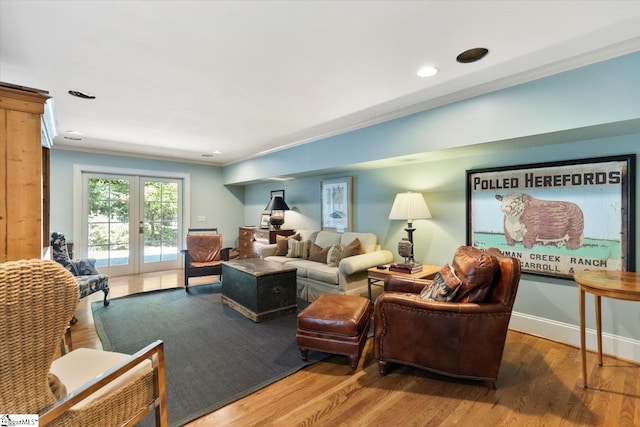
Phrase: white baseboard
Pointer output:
(614, 345)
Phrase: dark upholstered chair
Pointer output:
(85, 387)
(84, 270)
(204, 254)
(463, 338)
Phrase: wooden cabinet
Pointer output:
(21, 172)
(250, 239)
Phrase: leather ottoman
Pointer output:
(336, 324)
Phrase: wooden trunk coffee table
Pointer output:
(259, 289)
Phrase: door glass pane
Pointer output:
(108, 221)
(160, 221)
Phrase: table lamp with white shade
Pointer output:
(409, 207)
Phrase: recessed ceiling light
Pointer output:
(472, 55)
(80, 94)
(427, 71)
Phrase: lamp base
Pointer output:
(276, 221)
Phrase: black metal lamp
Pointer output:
(277, 206)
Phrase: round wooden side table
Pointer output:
(622, 285)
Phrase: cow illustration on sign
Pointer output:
(534, 221)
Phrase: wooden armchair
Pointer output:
(204, 254)
(462, 338)
(37, 300)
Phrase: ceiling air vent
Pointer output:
(82, 95)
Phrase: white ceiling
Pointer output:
(179, 79)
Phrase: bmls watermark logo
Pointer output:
(12, 420)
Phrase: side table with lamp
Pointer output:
(377, 275)
(408, 207)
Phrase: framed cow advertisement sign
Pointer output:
(557, 218)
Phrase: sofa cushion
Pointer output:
(298, 249)
(353, 248)
(327, 238)
(318, 253)
(444, 286)
(323, 273)
(477, 271)
(279, 258)
(308, 234)
(334, 255)
(282, 244)
(301, 265)
(367, 240)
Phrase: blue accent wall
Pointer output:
(589, 112)
(442, 183)
(220, 205)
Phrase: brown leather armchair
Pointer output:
(461, 339)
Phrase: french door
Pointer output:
(132, 224)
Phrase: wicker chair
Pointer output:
(37, 300)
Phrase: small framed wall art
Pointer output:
(264, 220)
(336, 204)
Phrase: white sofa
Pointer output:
(349, 277)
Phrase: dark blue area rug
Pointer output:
(213, 354)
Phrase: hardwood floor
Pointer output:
(540, 384)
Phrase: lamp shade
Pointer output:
(277, 203)
(409, 206)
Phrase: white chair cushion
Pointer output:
(80, 366)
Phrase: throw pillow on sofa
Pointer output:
(282, 244)
(318, 253)
(335, 255)
(353, 248)
(298, 249)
